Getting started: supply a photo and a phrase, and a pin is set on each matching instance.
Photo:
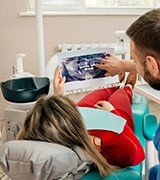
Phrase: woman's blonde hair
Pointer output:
(56, 119)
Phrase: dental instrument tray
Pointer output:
(81, 74)
(24, 90)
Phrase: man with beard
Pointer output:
(144, 35)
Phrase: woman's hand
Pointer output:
(104, 105)
(58, 82)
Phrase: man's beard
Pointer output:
(152, 81)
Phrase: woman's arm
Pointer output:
(105, 105)
(58, 82)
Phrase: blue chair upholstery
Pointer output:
(124, 174)
(154, 173)
(139, 109)
(150, 125)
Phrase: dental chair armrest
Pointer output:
(150, 125)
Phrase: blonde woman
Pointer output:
(122, 149)
(56, 119)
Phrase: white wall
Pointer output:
(18, 34)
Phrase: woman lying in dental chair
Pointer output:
(56, 119)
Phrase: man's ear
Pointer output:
(152, 66)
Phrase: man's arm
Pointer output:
(114, 66)
(128, 66)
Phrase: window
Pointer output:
(122, 3)
(59, 5)
(97, 6)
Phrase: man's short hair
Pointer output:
(145, 32)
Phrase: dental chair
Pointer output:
(45, 161)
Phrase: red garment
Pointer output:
(122, 149)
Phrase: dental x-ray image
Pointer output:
(79, 67)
